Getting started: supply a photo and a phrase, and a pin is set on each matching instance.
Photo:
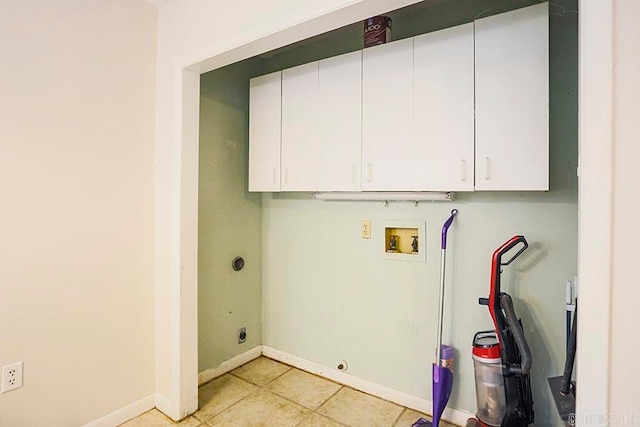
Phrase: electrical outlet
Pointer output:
(365, 229)
(11, 377)
(242, 335)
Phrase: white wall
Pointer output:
(76, 236)
(625, 341)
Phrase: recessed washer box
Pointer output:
(402, 240)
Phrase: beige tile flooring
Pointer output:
(271, 394)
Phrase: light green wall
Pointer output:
(229, 220)
(329, 296)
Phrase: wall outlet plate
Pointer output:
(242, 335)
(365, 229)
(12, 376)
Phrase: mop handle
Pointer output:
(445, 228)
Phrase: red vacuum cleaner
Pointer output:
(442, 371)
(501, 357)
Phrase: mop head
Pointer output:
(422, 423)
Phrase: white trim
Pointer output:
(126, 413)
(164, 405)
(231, 364)
(185, 386)
(595, 106)
(452, 415)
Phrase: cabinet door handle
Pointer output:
(353, 174)
(369, 172)
(464, 171)
(487, 168)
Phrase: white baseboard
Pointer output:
(126, 413)
(164, 405)
(455, 416)
(231, 364)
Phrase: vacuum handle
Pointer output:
(446, 226)
(494, 289)
(512, 243)
(483, 334)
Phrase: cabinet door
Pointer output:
(300, 127)
(443, 126)
(264, 132)
(512, 100)
(387, 116)
(339, 118)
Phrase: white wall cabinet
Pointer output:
(443, 103)
(387, 117)
(340, 115)
(512, 100)
(299, 127)
(264, 132)
(321, 125)
(404, 116)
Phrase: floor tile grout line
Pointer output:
(268, 382)
(328, 399)
(288, 399)
(395, 422)
(305, 419)
(258, 389)
(235, 403)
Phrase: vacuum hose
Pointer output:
(518, 335)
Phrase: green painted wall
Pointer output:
(329, 295)
(229, 220)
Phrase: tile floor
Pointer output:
(271, 394)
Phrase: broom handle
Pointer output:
(443, 247)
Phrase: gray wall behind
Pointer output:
(229, 220)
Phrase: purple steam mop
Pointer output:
(442, 371)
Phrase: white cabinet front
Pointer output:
(340, 119)
(512, 100)
(264, 132)
(300, 137)
(387, 117)
(321, 125)
(443, 116)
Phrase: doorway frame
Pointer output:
(595, 197)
